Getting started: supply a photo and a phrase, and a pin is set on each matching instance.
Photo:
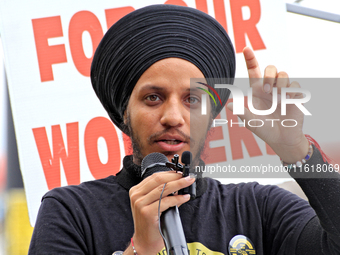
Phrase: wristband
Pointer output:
(302, 161)
(133, 247)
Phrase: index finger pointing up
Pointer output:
(253, 67)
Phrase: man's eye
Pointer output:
(192, 100)
(152, 98)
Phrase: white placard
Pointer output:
(64, 135)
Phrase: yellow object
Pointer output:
(18, 231)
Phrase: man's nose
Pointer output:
(173, 113)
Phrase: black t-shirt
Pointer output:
(95, 217)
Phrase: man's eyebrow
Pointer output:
(152, 87)
(194, 90)
(160, 88)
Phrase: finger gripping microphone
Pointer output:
(171, 224)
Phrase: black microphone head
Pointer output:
(186, 157)
(154, 158)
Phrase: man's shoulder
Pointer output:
(244, 188)
(225, 185)
(86, 190)
(269, 198)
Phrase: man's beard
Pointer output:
(136, 144)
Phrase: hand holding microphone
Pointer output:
(144, 205)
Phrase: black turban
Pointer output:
(152, 33)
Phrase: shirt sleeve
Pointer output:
(284, 215)
(56, 231)
(321, 184)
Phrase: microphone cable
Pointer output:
(159, 221)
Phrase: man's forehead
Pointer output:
(162, 88)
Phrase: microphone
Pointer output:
(171, 224)
(154, 162)
(186, 157)
(186, 160)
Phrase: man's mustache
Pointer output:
(171, 131)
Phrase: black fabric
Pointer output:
(314, 240)
(95, 218)
(152, 33)
(323, 192)
(311, 236)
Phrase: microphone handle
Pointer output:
(172, 229)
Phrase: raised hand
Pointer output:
(289, 143)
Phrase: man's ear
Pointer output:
(124, 127)
(125, 117)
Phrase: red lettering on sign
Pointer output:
(80, 22)
(69, 159)
(43, 29)
(217, 154)
(243, 27)
(270, 150)
(113, 15)
(202, 5)
(220, 15)
(96, 128)
(51, 27)
(176, 2)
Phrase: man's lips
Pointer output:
(166, 145)
(171, 142)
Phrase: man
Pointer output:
(141, 73)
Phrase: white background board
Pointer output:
(68, 106)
